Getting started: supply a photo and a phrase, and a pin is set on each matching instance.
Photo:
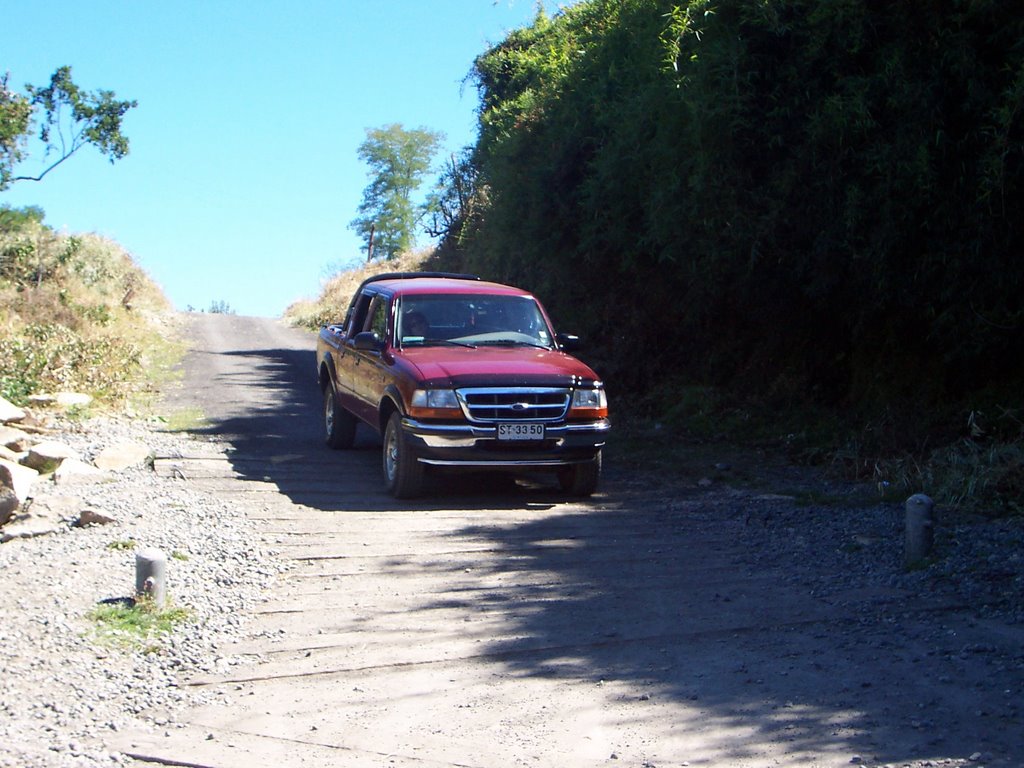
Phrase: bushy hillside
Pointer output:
(76, 314)
(770, 206)
(335, 294)
(806, 198)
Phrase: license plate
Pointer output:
(520, 431)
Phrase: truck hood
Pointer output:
(488, 366)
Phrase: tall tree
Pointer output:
(398, 160)
(71, 119)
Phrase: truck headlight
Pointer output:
(434, 404)
(589, 403)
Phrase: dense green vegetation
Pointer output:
(76, 314)
(763, 206)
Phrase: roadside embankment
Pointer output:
(68, 684)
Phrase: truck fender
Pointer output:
(328, 373)
(389, 403)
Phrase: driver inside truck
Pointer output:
(414, 324)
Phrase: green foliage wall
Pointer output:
(799, 198)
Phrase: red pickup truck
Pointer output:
(456, 373)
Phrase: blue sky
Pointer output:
(243, 176)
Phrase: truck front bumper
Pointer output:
(474, 445)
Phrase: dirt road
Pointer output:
(661, 623)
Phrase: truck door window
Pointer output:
(357, 321)
(378, 317)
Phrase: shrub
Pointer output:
(76, 313)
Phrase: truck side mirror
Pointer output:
(368, 341)
(568, 342)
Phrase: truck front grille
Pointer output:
(543, 404)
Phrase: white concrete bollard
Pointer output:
(920, 529)
(151, 575)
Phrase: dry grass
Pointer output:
(337, 291)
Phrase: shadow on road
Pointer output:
(672, 595)
(648, 588)
(276, 436)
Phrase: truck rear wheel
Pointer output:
(581, 479)
(339, 424)
(403, 474)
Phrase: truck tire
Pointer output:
(403, 474)
(581, 479)
(339, 424)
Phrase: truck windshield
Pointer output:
(472, 320)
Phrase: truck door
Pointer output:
(368, 366)
(344, 353)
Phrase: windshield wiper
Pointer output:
(450, 342)
(513, 343)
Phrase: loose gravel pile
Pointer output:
(63, 686)
(833, 550)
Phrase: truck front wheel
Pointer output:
(581, 479)
(403, 474)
